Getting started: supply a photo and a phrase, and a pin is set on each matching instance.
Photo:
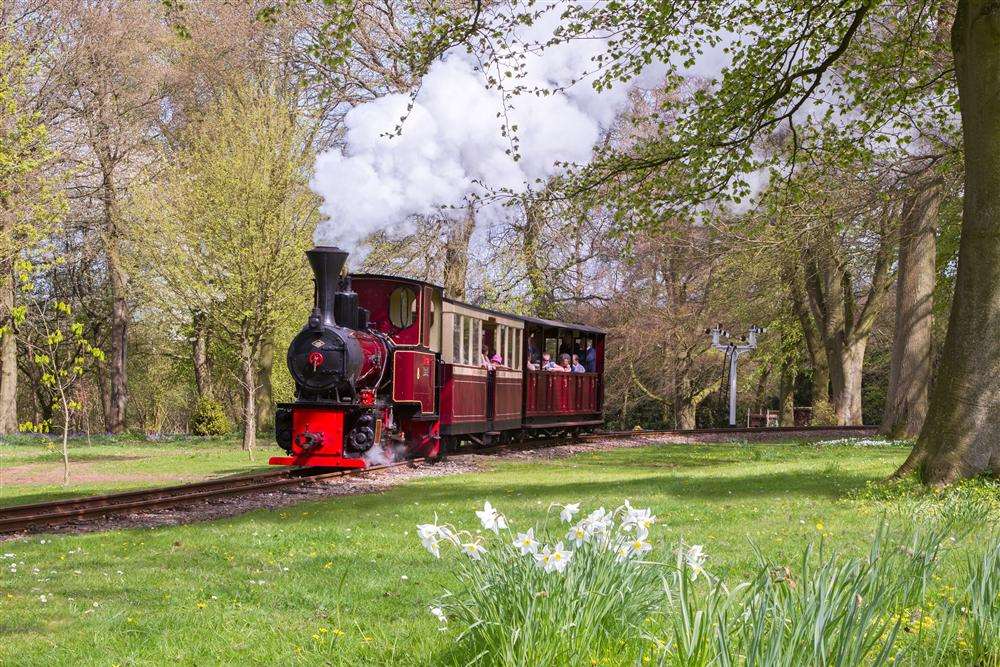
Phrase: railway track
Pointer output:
(23, 517)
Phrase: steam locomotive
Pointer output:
(388, 367)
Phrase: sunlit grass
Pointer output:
(346, 581)
(109, 464)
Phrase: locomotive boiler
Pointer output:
(337, 365)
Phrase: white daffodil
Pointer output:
(448, 534)
(568, 511)
(491, 519)
(542, 559)
(694, 558)
(639, 546)
(579, 533)
(559, 559)
(433, 546)
(526, 542)
(598, 522)
(428, 531)
(438, 613)
(428, 534)
(474, 550)
(636, 518)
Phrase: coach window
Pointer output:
(456, 339)
(516, 364)
(477, 343)
(466, 339)
(402, 307)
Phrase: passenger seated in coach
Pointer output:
(564, 364)
(533, 351)
(484, 358)
(576, 365)
(567, 345)
(497, 361)
(548, 364)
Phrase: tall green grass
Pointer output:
(613, 603)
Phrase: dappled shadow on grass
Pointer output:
(831, 484)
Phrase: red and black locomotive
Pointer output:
(388, 367)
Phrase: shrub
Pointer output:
(209, 418)
(823, 414)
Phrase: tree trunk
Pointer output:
(910, 370)
(265, 393)
(65, 436)
(249, 361)
(8, 355)
(684, 414)
(847, 364)
(119, 309)
(542, 303)
(786, 395)
(456, 254)
(199, 355)
(961, 436)
(814, 344)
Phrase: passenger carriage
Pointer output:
(475, 404)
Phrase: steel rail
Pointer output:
(20, 517)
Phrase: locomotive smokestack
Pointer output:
(327, 263)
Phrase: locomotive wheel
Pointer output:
(443, 450)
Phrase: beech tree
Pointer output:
(231, 221)
(111, 81)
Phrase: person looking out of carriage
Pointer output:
(590, 357)
(547, 363)
(576, 365)
(484, 358)
(566, 347)
(564, 365)
(533, 355)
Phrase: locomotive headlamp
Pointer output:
(367, 397)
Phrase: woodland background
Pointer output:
(155, 160)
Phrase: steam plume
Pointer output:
(452, 144)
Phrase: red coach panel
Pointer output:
(506, 399)
(463, 399)
(413, 379)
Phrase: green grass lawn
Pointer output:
(31, 467)
(345, 581)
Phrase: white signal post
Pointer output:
(734, 350)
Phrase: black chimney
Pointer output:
(327, 263)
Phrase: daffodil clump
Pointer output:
(589, 589)
(569, 591)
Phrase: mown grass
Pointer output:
(107, 464)
(346, 581)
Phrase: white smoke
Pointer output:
(452, 145)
